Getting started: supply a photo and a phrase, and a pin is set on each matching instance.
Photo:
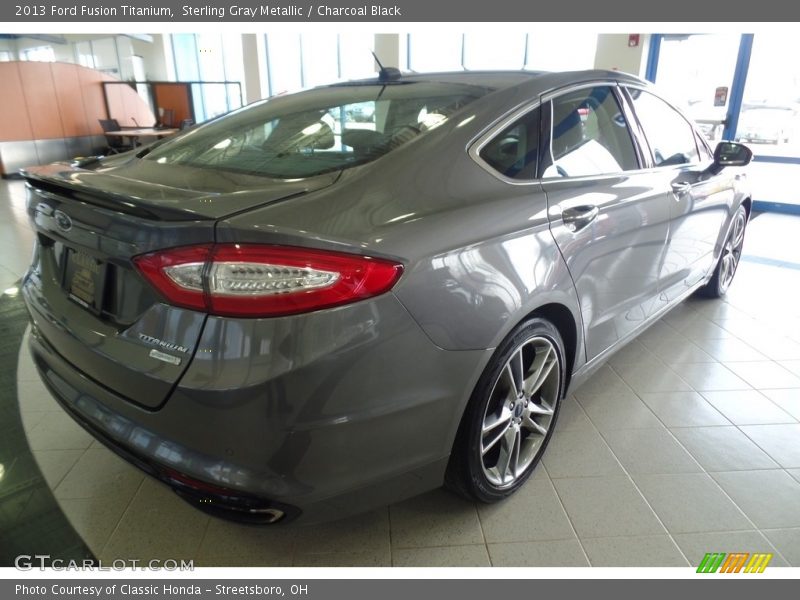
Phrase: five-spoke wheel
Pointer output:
(729, 258)
(520, 411)
(511, 414)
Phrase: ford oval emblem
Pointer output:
(63, 221)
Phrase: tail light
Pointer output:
(249, 280)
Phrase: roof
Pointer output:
(497, 79)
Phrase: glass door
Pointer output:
(697, 71)
(742, 87)
(769, 122)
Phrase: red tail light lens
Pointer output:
(249, 280)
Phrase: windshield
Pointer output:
(296, 136)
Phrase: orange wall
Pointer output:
(174, 96)
(15, 125)
(57, 100)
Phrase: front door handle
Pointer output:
(578, 217)
(680, 187)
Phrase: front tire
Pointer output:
(729, 259)
(511, 415)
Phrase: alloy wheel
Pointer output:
(732, 251)
(520, 411)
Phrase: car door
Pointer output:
(608, 218)
(699, 201)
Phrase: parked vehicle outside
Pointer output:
(767, 124)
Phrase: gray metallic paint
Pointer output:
(346, 408)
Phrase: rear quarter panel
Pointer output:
(478, 252)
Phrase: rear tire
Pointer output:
(511, 415)
(729, 259)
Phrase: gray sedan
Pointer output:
(288, 313)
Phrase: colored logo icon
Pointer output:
(734, 562)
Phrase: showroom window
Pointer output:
(210, 57)
(589, 135)
(484, 52)
(431, 52)
(549, 50)
(540, 50)
(671, 138)
(39, 53)
(514, 151)
(100, 54)
(300, 60)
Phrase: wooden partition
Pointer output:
(176, 97)
(51, 111)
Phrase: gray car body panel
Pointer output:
(311, 413)
(347, 408)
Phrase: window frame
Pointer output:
(498, 127)
(544, 101)
(696, 136)
(547, 130)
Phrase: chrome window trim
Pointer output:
(555, 93)
(634, 142)
(692, 125)
(475, 146)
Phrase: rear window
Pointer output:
(348, 125)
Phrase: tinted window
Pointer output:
(309, 134)
(670, 136)
(589, 135)
(515, 150)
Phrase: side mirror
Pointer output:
(732, 154)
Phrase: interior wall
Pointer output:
(251, 86)
(614, 53)
(387, 48)
(51, 112)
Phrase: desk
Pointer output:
(135, 133)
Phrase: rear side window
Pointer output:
(670, 136)
(589, 135)
(514, 152)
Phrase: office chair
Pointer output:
(115, 144)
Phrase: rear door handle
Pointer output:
(681, 187)
(578, 217)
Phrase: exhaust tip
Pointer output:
(226, 503)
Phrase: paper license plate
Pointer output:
(84, 279)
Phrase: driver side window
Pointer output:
(671, 138)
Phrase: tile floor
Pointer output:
(686, 442)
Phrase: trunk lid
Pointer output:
(169, 192)
(84, 295)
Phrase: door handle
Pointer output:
(578, 217)
(680, 187)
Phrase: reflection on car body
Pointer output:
(373, 288)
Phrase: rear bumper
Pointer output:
(365, 422)
(89, 413)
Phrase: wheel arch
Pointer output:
(561, 317)
(748, 206)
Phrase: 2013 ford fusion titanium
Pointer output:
(293, 313)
